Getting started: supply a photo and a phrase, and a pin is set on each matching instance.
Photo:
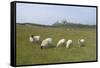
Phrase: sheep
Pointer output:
(81, 42)
(46, 42)
(36, 38)
(60, 42)
(68, 43)
(31, 38)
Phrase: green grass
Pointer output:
(30, 53)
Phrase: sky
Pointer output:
(49, 14)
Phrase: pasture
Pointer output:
(30, 53)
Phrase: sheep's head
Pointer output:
(31, 35)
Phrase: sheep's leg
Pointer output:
(67, 46)
(82, 45)
(57, 45)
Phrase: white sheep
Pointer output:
(68, 43)
(81, 42)
(60, 42)
(36, 38)
(31, 38)
(46, 42)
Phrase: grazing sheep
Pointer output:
(60, 42)
(81, 42)
(68, 43)
(36, 38)
(31, 38)
(46, 42)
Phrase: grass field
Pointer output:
(30, 53)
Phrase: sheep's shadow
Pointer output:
(71, 46)
(83, 45)
(51, 46)
(63, 46)
(48, 47)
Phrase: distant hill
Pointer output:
(58, 25)
(33, 24)
(72, 25)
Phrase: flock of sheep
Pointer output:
(49, 41)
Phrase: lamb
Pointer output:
(68, 43)
(46, 42)
(81, 42)
(60, 42)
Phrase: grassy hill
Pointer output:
(30, 53)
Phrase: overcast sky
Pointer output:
(48, 14)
